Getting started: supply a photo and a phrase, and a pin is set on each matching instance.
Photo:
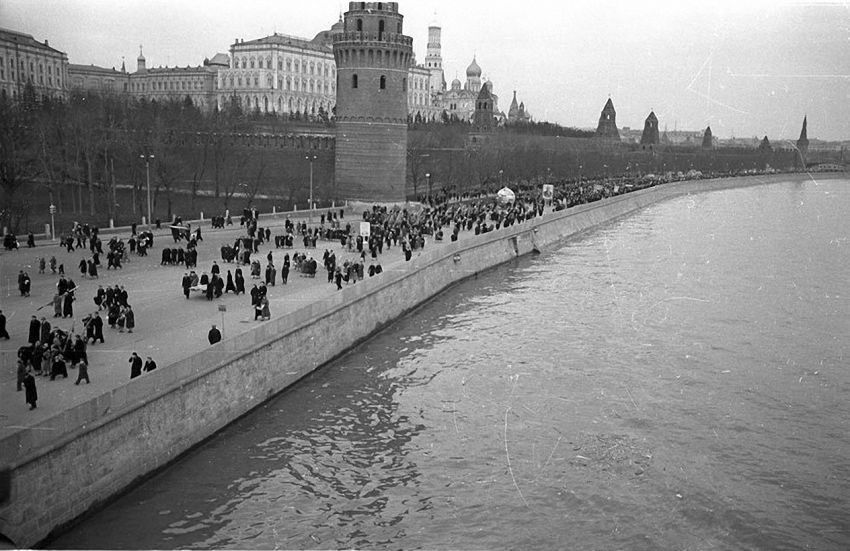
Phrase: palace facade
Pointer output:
(24, 60)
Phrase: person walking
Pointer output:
(97, 322)
(83, 372)
(264, 302)
(214, 335)
(135, 365)
(4, 334)
(31, 390)
(129, 318)
(239, 280)
(22, 373)
(35, 330)
(230, 287)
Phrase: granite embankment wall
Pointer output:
(70, 463)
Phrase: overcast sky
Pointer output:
(747, 68)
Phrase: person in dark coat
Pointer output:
(219, 286)
(45, 330)
(150, 365)
(100, 297)
(4, 334)
(83, 267)
(24, 284)
(186, 284)
(214, 335)
(129, 318)
(230, 286)
(112, 315)
(284, 272)
(83, 372)
(210, 288)
(239, 280)
(59, 367)
(92, 269)
(255, 296)
(97, 323)
(68, 305)
(135, 365)
(31, 390)
(35, 330)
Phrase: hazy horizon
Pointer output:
(747, 69)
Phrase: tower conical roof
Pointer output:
(514, 108)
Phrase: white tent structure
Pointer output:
(506, 196)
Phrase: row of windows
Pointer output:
(31, 78)
(312, 68)
(297, 84)
(173, 85)
(381, 27)
(23, 65)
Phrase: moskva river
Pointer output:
(677, 379)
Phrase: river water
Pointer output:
(677, 379)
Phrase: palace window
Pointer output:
(354, 81)
(252, 63)
(403, 84)
(279, 65)
(383, 84)
(359, 25)
(381, 29)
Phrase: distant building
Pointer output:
(607, 127)
(25, 60)
(282, 74)
(91, 78)
(459, 100)
(650, 130)
(517, 113)
(765, 145)
(199, 84)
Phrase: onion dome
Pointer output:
(473, 70)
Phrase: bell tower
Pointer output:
(434, 59)
(372, 58)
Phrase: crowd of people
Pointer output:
(51, 351)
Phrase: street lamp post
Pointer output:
(428, 182)
(311, 158)
(147, 159)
